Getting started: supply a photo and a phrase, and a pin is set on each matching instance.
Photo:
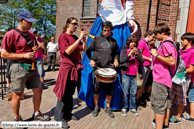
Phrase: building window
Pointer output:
(86, 8)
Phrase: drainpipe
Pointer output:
(148, 22)
(157, 12)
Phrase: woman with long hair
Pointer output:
(130, 58)
(70, 70)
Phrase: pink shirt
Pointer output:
(39, 54)
(16, 43)
(188, 57)
(131, 70)
(143, 45)
(161, 72)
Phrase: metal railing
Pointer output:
(3, 82)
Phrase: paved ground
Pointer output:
(143, 121)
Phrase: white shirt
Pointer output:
(52, 47)
(113, 10)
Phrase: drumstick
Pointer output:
(101, 69)
(112, 64)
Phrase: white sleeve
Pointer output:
(47, 45)
(57, 46)
(129, 9)
(112, 10)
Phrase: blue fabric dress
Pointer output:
(120, 33)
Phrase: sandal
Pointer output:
(174, 120)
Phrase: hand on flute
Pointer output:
(83, 35)
(29, 55)
(35, 49)
(153, 52)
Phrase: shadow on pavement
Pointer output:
(50, 82)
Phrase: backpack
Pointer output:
(180, 76)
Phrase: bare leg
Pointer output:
(15, 102)
(42, 79)
(142, 91)
(149, 88)
(8, 81)
(96, 99)
(37, 98)
(192, 110)
(108, 100)
(159, 121)
(167, 113)
(179, 110)
(138, 94)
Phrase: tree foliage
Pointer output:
(9, 14)
(43, 10)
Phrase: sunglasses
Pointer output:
(75, 24)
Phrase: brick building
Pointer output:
(147, 14)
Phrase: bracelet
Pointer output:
(157, 55)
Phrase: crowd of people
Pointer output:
(136, 61)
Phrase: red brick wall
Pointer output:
(153, 14)
(66, 9)
(161, 11)
(141, 8)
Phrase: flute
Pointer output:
(33, 62)
(91, 36)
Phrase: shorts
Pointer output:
(145, 72)
(21, 78)
(191, 95)
(96, 86)
(39, 64)
(160, 99)
(181, 93)
(8, 69)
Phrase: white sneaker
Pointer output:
(153, 124)
(124, 112)
(134, 111)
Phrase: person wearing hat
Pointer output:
(16, 48)
(39, 56)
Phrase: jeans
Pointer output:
(39, 64)
(64, 107)
(51, 57)
(129, 88)
(191, 95)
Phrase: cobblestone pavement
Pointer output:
(87, 121)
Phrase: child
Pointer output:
(129, 59)
(187, 54)
(162, 58)
(144, 48)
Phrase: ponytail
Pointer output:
(64, 29)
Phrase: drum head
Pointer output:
(110, 72)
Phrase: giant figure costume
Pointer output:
(110, 10)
